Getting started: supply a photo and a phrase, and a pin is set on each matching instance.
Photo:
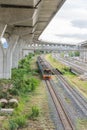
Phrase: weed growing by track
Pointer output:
(72, 78)
(75, 81)
(82, 124)
(21, 86)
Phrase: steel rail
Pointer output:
(66, 122)
(82, 103)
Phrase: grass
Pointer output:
(79, 84)
(67, 100)
(76, 82)
(81, 124)
(72, 78)
(54, 62)
(21, 86)
(32, 104)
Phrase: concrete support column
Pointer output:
(25, 41)
(15, 55)
(6, 58)
(31, 49)
(18, 51)
(86, 55)
(23, 44)
(1, 61)
(83, 55)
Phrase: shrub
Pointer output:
(21, 63)
(13, 91)
(18, 122)
(12, 125)
(35, 112)
(77, 53)
(34, 84)
(29, 84)
(4, 94)
(18, 73)
(21, 121)
(66, 69)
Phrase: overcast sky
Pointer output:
(69, 25)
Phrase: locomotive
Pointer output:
(44, 68)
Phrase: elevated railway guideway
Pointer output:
(21, 22)
(83, 55)
(83, 44)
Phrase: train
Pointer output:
(44, 68)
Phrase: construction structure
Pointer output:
(21, 23)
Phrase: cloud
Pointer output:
(69, 24)
(75, 9)
(63, 26)
(79, 36)
(80, 23)
(59, 39)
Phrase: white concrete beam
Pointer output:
(2, 27)
(31, 3)
(22, 31)
(48, 10)
(3, 32)
(16, 16)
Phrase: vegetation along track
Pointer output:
(66, 122)
(75, 94)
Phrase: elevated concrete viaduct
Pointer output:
(83, 54)
(21, 23)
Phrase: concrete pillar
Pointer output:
(86, 55)
(15, 56)
(6, 57)
(23, 43)
(17, 53)
(1, 61)
(20, 50)
(83, 54)
(25, 50)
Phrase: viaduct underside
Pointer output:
(21, 23)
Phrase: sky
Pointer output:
(69, 25)
(4, 42)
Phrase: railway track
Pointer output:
(74, 93)
(66, 121)
(78, 98)
(77, 68)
